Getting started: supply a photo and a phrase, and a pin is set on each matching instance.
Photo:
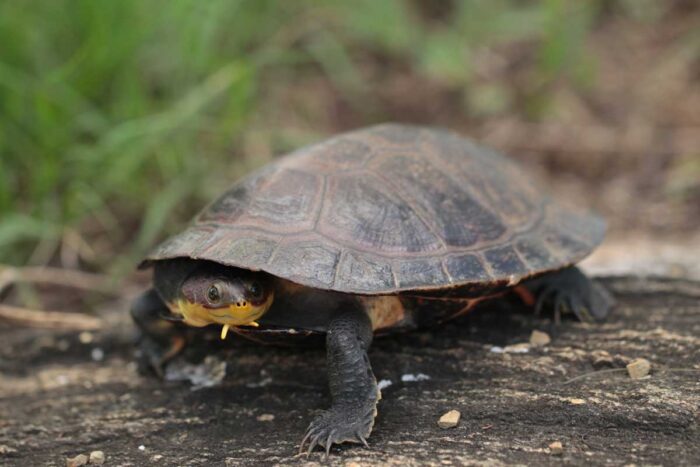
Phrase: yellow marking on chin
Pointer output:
(197, 315)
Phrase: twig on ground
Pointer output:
(49, 319)
(57, 276)
(594, 373)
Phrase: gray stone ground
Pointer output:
(58, 399)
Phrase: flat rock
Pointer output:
(56, 401)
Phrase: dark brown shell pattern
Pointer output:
(386, 209)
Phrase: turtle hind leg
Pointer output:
(570, 291)
(160, 339)
(353, 387)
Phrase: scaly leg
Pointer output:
(160, 339)
(353, 387)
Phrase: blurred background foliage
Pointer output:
(120, 119)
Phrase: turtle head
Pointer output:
(223, 295)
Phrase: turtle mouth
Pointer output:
(233, 315)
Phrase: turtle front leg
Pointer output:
(160, 339)
(570, 291)
(353, 387)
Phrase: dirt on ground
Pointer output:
(67, 393)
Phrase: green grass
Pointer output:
(118, 119)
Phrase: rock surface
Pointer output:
(56, 401)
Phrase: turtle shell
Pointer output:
(386, 209)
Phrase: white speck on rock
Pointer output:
(142, 448)
(411, 378)
(385, 383)
(97, 354)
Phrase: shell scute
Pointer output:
(364, 272)
(467, 267)
(312, 263)
(418, 272)
(505, 262)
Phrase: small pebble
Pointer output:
(156, 458)
(556, 448)
(385, 383)
(142, 448)
(638, 368)
(77, 461)
(97, 458)
(539, 338)
(97, 354)
(5, 449)
(85, 337)
(266, 417)
(449, 419)
(523, 347)
(577, 401)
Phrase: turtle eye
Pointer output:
(255, 290)
(214, 294)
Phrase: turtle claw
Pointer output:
(362, 440)
(336, 426)
(570, 292)
(562, 303)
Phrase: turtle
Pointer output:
(379, 230)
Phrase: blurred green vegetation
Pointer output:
(118, 119)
